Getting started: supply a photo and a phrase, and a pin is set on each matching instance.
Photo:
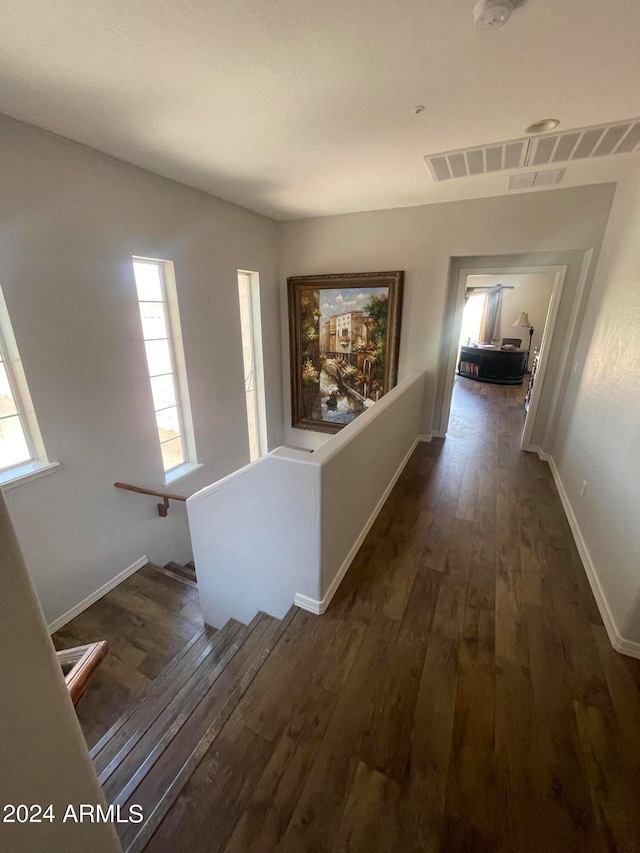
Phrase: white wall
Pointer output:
(288, 526)
(422, 241)
(44, 756)
(531, 293)
(358, 466)
(70, 220)
(598, 436)
(256, 537)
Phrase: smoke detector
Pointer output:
(492, 14)
(545, 125)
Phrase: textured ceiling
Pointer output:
(298, 108)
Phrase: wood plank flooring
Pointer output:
(146, 620)
(460, 693)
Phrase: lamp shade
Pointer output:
(522, 320)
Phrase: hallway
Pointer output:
(460, 694)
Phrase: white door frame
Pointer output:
(559, 271)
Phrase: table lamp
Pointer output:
(523, 321)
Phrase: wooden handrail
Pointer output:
(163, 508)
(83, 661)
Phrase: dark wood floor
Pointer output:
(146, 620)
(460, 694)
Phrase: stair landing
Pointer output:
(146, 620)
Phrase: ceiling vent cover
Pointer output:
(546, 178)
(622, 137)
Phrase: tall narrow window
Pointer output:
(251, 327)
(22, 454)
(157, 300)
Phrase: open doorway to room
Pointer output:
(502, 330)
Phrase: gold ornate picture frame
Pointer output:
(344, 337)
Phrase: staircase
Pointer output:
(147, 757)
(186, 573)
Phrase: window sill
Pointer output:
(180, 472)
(25, 473)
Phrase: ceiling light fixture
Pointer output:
(492, 14)
(542, 126)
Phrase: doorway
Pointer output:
(508, 313)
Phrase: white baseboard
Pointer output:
(430, 436)
(625, 647)
(619, 643)
(319, 607)
(534, 448)
(310, 604)
(82, 605)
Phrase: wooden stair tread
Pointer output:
(174, 746)
(167, 754)
(176, 571)
(186, 572)
(167, 718)
(160, 692)
(203, 655)
(106, 737)
(214, 700)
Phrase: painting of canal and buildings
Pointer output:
(352, 338)
(344, 344)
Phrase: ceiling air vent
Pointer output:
(546, 178)
(479, 160)
(622, 137)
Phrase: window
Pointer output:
(157, 300)
(22, 454)
(251, 328)
(472, 319)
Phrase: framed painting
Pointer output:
(344, 335)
